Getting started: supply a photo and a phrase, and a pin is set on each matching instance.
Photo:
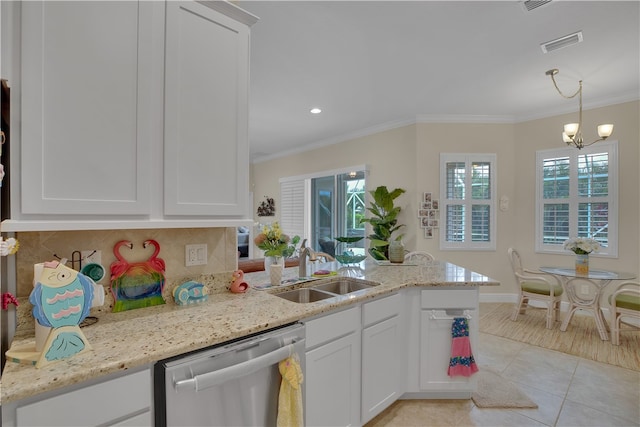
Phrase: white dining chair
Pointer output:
(625, 303)
(419, 257)
(535, 285)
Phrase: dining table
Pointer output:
(597, 280)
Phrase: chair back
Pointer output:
(419, 256)
(516, 262)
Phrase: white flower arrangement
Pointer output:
(582, 245)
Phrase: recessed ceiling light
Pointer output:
(315, 110)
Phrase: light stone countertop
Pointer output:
(138, 338)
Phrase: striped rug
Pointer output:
(580, 339)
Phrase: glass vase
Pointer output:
(582, 264)
(268, 260)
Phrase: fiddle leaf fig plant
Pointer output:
(384, 221)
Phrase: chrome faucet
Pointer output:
(305, 253)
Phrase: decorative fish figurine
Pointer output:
(190, 292)
(61, 299)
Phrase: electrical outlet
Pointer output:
(195, 254)
(93, 256)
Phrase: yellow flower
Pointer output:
(274, 242)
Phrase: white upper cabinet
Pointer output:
(128, 111)
(206, 102)
(85, 146)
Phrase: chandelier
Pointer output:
(572, 134)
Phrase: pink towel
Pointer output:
(462, 361)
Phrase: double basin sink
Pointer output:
(327, 288)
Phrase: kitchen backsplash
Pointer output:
(36, 247)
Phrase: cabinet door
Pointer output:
(206, 147)
(332, 383)
(85, 117)
(382, 355)
(435, 352)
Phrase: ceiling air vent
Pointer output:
(529, 5)
(568, 40)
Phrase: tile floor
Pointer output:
(569, 390)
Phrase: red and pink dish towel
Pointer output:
(462, 361)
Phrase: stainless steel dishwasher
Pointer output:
(233, 384)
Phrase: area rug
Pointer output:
(496, 392)
(580, 339)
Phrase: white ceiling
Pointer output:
(372, 65)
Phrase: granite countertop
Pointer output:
(141, 337)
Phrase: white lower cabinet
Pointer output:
(122, 401)
(332, 374)
(439, 308)
(362, 359)
(382, 351)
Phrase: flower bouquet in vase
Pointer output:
(277, 246)
(582, 247)
(349, 260)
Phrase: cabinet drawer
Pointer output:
(93, 405)
(332, 326)
(449, 298)
(380, 309)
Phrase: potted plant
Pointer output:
(384, 221)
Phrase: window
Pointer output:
(467, 189)
(576, 196)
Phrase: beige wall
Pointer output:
(390, 156)
(545, 134)
(433, 139)
(408, 157)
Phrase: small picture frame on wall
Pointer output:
(428, 215)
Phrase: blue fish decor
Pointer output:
(61, 299)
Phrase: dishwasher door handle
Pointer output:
(210, 379)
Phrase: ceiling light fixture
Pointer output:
(572, 134)
(315, 110)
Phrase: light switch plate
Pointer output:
(195, 254)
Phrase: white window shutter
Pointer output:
(292, 207)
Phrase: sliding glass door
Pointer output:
(337, 205)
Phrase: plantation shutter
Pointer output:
(292, 207)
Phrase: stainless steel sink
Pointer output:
(327, 288)
(305, 295)
(343, 285)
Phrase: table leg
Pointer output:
(600, 322)
(576, 303)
